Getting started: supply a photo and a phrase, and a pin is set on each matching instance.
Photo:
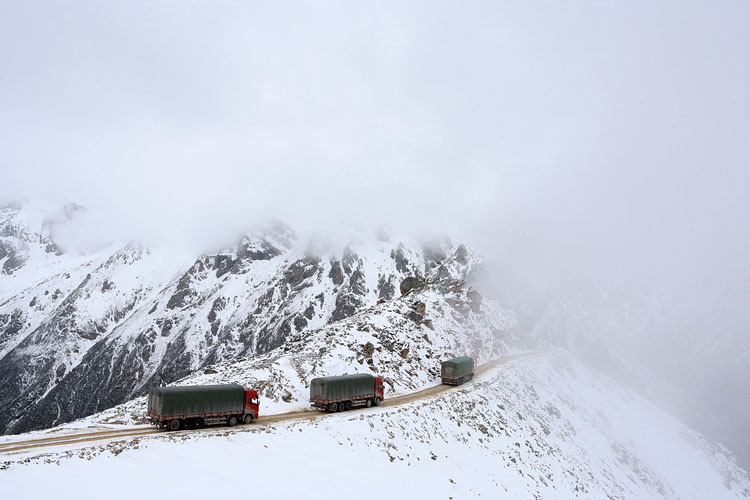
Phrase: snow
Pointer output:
(539, 426)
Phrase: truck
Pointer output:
(456, 371)
(344, 392)
(194, 406)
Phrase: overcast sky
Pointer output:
(609, 135)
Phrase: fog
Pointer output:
(609, 137)
(606, 138)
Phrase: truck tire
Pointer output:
(197, 423)
(174, 425)
(377, 401)
(349, 405)
(333, 408)
(232, 421)
(368, 403)
(248, 419)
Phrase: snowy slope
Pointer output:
(85, 331)
(537, 427)
(389, 339)
(689, 351)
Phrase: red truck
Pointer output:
(194, 406)
(344, 392)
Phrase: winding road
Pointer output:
(97, 436)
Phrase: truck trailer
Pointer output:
(456, 371)
(344, 392)
(194, 406)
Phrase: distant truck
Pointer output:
(344, 392)
(456, 371)
(195, 406)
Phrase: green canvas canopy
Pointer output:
(457, 367)
(342, 387)
(196, 399)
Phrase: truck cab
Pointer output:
(252, 403)
(379, 388)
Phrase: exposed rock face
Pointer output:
(84, 337)
(410, 283)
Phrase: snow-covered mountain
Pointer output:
(83, 331)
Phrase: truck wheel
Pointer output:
(333, 408)
(349, 405)
(368, 403)
(197, 423)
(248, 419)
(377, 401)
(232, 421)
(174, 425)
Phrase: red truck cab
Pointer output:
(252, 403)
(379, 388)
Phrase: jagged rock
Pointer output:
(166, 327)
(410, 284)
(402, 263)
(223, 264)
(178, 299)
(368, 349)
(218, 305)
(346, 305)
(15, 259)
(336, 274)
(415, 316)
(443, 273)
(250, 250)
(357, 283)
(11, 324)
(300, 323)
(419, 307)
(301, 270)
(309, 312)
(349, 260)
(386, 290)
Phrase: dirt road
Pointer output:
(107, 435)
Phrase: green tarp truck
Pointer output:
(344, 392)
(198, 405)
(456, 371)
